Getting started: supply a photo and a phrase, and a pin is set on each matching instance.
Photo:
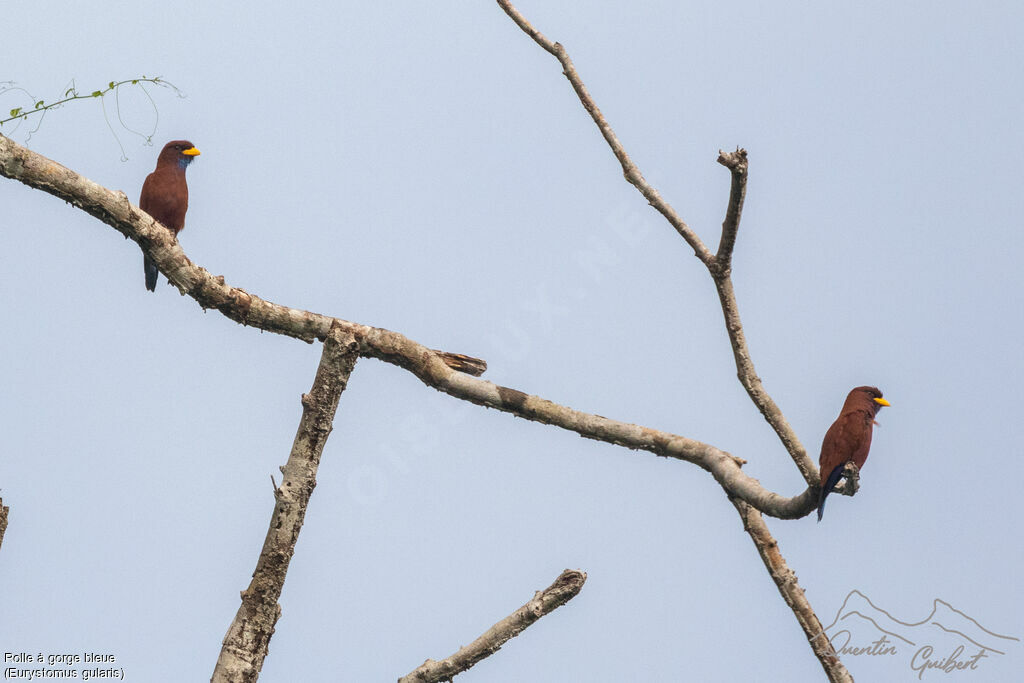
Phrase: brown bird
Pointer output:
(165, 194)
(848, 439)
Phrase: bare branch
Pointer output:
(720, 266)
(724, 467)
(719, 270)
(564, 589)
(785, 580)
(736, 162)
(752, 383)
(114, 209)
(629, 169)
(209, 291)
(245, 645)
(3, 521)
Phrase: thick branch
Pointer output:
(114, 209)
(564, 589)
(245, 645)
(629, 169)
(3, 521)
(431, 367)
(792, 593)
(723, 466)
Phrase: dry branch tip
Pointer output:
(563, 589)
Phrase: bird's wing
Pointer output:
(146, 198)
(843, 441)
(165, 198)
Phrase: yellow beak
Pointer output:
(191, 151)
(882, 402)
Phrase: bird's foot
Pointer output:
(851, 480)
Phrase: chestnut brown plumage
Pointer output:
(165, 194)
(848, 439)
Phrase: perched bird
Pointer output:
(165, 194)
(848, 439)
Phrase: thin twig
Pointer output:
(432, 368)
(245, 645)
(40, 107)
(564, 589)
(785, 580)
(629, 169)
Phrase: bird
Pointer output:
(848, 439)
(165, 194)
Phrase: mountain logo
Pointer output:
(946, 641)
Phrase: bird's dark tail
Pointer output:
(151, 273)
(833, 478)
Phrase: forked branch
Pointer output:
(718, 265)
(245, 644)
(433, 368)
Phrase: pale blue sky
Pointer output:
(425, 167)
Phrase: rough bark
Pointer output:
(790, 590)
(245, 645)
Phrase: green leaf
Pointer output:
(39, 104)
(70, 90)
(111, 84)
(97, 93)
(15, 111)
(135, 81)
